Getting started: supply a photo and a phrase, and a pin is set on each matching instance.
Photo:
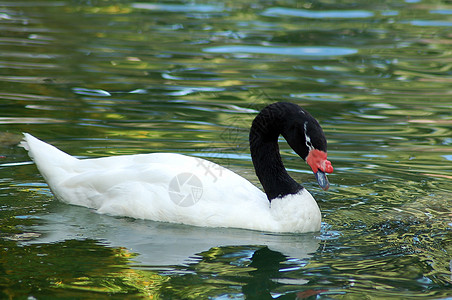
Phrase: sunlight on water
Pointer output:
(101, 78)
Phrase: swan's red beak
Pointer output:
(320, 165)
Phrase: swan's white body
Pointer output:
(170, 188)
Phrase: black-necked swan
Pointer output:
(183, 189)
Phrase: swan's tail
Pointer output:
(51, 162)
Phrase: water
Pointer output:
(100, 78)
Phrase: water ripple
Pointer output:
(325, 14)
(90, 92)
(199, 8)
(306, 51)
(11, 120)
(434, 23)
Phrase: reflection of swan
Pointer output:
(159, 243)
(180, 189)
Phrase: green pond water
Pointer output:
(101, 78)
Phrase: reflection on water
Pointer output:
(159, 244)
(122, 77)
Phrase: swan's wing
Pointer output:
(163, 187)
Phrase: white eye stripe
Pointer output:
(307, 137)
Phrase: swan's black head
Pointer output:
(304, 134)
(301, 131)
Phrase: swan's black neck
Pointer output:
(273, 120)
